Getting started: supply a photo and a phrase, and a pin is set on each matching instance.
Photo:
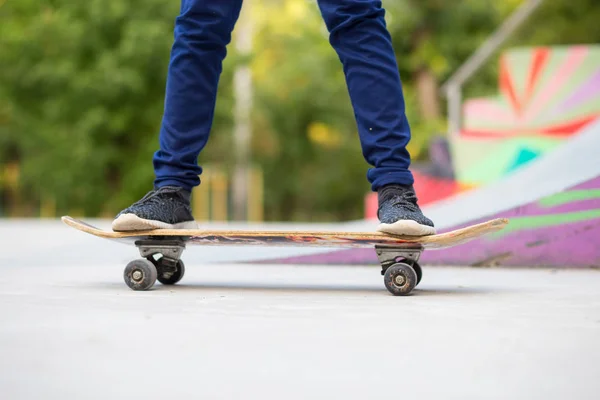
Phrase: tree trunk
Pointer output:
(425, 80)
(427, 94)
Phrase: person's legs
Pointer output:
(359, 35)
(202, 32)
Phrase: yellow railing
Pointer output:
(211, 200)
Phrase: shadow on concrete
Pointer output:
(280, 287)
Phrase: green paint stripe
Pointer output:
(568, 197)
(542, 221)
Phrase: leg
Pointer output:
(359, 35)
(202, 32)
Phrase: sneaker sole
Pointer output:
(406, 227)
(131, 222)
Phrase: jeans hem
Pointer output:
(399, 178)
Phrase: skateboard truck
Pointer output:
(400, 267)
(388, 255)
(170, 250)
(168, 269)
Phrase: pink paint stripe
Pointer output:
(586, 91)
(484, 109)
(575, 57)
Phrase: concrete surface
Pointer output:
(71, 329)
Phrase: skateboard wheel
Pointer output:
(175, 277)
(400, 279)
(419, 272)
(140, 274)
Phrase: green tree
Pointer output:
(560, 22)
(82, 89)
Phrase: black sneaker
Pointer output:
(164, 208)
(399, 213)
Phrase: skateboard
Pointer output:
(161, 249)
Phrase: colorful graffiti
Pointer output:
(546, 94)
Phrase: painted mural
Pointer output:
(546, 94)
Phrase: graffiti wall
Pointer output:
(546, 95)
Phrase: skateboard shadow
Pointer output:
(239, 286)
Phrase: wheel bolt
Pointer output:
(137, 275)
(399, 280)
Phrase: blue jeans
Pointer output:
(358, 34)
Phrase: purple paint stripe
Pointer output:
(576, 245)
(585, 92)
(534, 209)
(587, 185)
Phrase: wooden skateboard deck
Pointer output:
(161, 249)
(296, 238)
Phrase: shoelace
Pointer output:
(150, 197)
(407, 199)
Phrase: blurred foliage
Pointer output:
(82, 90)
